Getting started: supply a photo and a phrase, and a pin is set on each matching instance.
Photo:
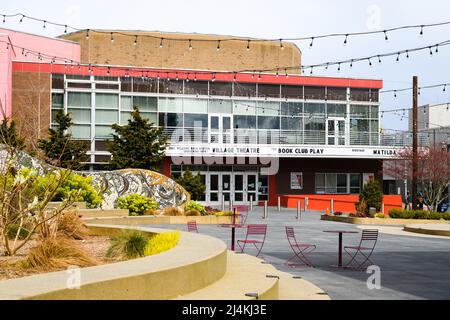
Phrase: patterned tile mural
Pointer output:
(115, 184)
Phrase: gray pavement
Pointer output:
(411, 267)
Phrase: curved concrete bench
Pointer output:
(431, 229)
(195, 263)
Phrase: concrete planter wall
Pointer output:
(159, 220)
(375, 221)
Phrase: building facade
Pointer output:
(251, 136)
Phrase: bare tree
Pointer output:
(433, 175)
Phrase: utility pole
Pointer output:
(415, 141)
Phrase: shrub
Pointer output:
(380, 216)
(57, 254)
(372, 196)
(13, 230)
(193, 205)
(418, 214)
(70, 225)
(162, 242)
(358, 215)
(192, 213)
(211, 210)
(173, 212)
(338, 214)
(192, 184)
(75, 187)
(225, 213)
(128, 245)
(137, 204)
(361, 207)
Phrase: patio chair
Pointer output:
(365, 248)
(300, 250)
(256, 235)
(192, 226)
(243, 214)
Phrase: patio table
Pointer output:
(340, 232)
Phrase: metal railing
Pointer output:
(292, 137)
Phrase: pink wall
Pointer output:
(48, 46)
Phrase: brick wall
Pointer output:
(232, 56)
(31, 105)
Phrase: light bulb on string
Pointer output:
(161, 43)
(379, 59)
(311, 71)
(286, 73)
(218, 45)
(370, 62)
(112, 37)
(385, 35)
(44, 25)
(395, 93)
(87, 34)
(339, 67)
(421, 31)
(444, 88)
(65, 29)
(398, 57)
(190, 44)
(431, 51)
(21, 19)
(407, 54)
(135, 40)
(351, 64)
(437, 48)
(312, 43)
(248, 45)
(346, 38)
(281, 44)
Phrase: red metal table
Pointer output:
(340, 232)
(233, 228)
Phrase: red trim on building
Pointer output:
(166, 167)
(116, 71)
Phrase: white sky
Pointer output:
(282, 19)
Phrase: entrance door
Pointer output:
(220, 129)
(336, 132)
(241, 187)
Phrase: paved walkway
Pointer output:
(412, 267)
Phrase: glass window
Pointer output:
(220, 88)
(359, 111)
(146, 104)
(245, 89)
(196, 88)
(145, 85)
(336, 110)
(126, 84)
(292, 108)
(331, 183)
(80, 115)
(79, 100)
(292, 92)
(289, 123)
(314, 109)
(374, 126)
(194, 120)
(355, 183)
(244, 107)
(220, 106)
(170, 120)
(106, 101)
(268, 123)
(374, 112)
(101, 145)
(320, 183)
(195, 106)
(127, 103)
(341, 183)
(314, 124)
(58, 81)
(268, 90)
(103, 131)
(107, 86)
(375, 95)
(77, 77)
(106, 116)
(77, 85)
(360, 94)
(81, 131)
(268, 108)
(358, 125)
(170, 105)
(315, 93)
(57, 101)
(171, 86)
(103, 78)
(337, 94)
(244, 122)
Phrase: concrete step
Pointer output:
(292, 288)
(79, 205)
(99, 213)
(245, 275)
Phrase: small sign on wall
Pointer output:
(296, 180)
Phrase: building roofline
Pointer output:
(40, 36)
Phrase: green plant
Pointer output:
(193, 205)
(60, 149)
(128, 245)
(192, 184)
(137, 204)
(13, 231)
(162, 242)
(75, 186)
(372, 196)
(225, 213)
(70, 225)
(139, 144)
(418, 214)
(380, 216)
(9, 135)
(192, 213)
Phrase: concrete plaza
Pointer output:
(412, 266)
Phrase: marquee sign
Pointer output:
(282, 151)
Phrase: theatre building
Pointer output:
(249, 135)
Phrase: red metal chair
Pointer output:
(256, 235)
(243, 214)
(192, 226)
(300, 250)
(365, 248)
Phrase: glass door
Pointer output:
(220, 129)
(336, 132)
(252, 183)
(239, 187)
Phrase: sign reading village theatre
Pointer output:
(282, 151)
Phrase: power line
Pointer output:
(395, 91)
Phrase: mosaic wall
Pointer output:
(115, 184)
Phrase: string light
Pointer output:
(43, 26)
(421, 30)
(65, 29)
(4, 18)
(379, 59)
(248, 45)
(190, 44)
(398, 57)
(385, 35)
(431, 51)
(87, 34)
(112, 37)
(136, 40)
(218, 45)
(345, 41)
(281, 44)
(21, 19)
(161, 43)
(312, 42)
